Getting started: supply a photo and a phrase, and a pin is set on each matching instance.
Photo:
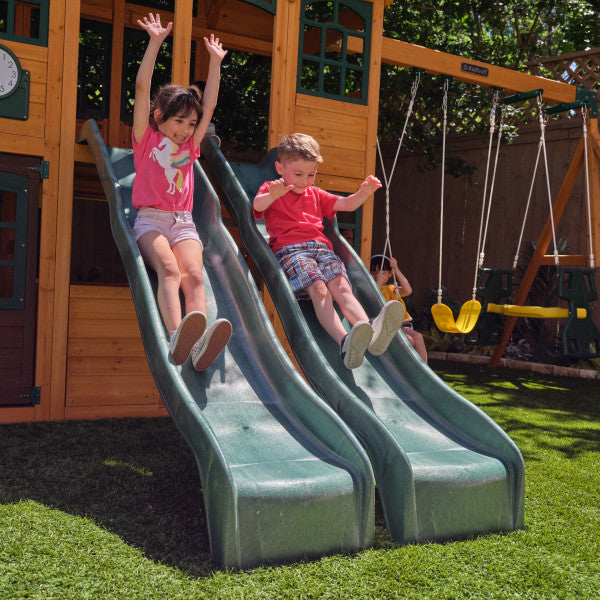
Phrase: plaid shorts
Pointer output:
(308, 262)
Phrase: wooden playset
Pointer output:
(70, 348)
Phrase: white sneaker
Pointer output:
(190, 329)
(385, 326)
(355, 343)
(211, 344)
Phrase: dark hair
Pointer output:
(173, 100)
(377, 260)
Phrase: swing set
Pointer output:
(490, 320)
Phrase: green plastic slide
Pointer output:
(283, 477)
(443, 468)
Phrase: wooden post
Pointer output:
(182, 42)
(366, 234)
(116, 72)
(61, 119)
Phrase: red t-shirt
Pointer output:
(296, 218)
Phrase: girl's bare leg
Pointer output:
(189, 258)
(157, 253)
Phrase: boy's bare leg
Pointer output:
(325, 311)
(351, 308)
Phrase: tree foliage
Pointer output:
(509, 34)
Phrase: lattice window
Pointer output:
(334, 49)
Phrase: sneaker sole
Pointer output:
(392, 317)
(217, 340)
(358, 346)
(190, 331)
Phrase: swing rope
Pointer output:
(543, 121)
(535, 167)
(387, 180)
(587, 184)
(487, 208)
(441, 238)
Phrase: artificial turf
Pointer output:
(113, 509)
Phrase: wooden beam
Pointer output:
(396, 52)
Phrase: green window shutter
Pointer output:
(333, 50)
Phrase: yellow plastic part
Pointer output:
(535, 312)
(444, 319)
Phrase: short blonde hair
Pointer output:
(299, 146)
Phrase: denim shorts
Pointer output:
(308, 262)
(176, 226)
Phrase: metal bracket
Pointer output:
(520, 96)
(43, 169)
(590, 98)
(33, 395)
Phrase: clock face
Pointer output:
(10, 72)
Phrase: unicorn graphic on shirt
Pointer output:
(168, 156)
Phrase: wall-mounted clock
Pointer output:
(10, 72)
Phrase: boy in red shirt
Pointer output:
(293, 209)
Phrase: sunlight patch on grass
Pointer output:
(123, 465)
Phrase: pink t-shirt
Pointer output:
(296, 218)
(164, 176)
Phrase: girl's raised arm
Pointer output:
(143, 81)
(211, 89)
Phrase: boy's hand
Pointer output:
(277, 188)
(215, 48)
(153, 28)
(393, 263)
(370, 185)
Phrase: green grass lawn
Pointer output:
(113, 509)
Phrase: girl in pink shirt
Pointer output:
(166, 142)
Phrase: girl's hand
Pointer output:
(370, 185)
(278, 188)
(153, 28)
(215, 48)
(393, 263)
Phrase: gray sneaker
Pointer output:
(355, 343)
(189, 331)
(385, 326)
(211, 344)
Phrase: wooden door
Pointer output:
(19, 206)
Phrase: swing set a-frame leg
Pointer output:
(539, 256)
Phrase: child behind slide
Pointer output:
(293, 209)
(383, 269)
(166, 138)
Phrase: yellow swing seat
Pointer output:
(465, 322)
(534, 312)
